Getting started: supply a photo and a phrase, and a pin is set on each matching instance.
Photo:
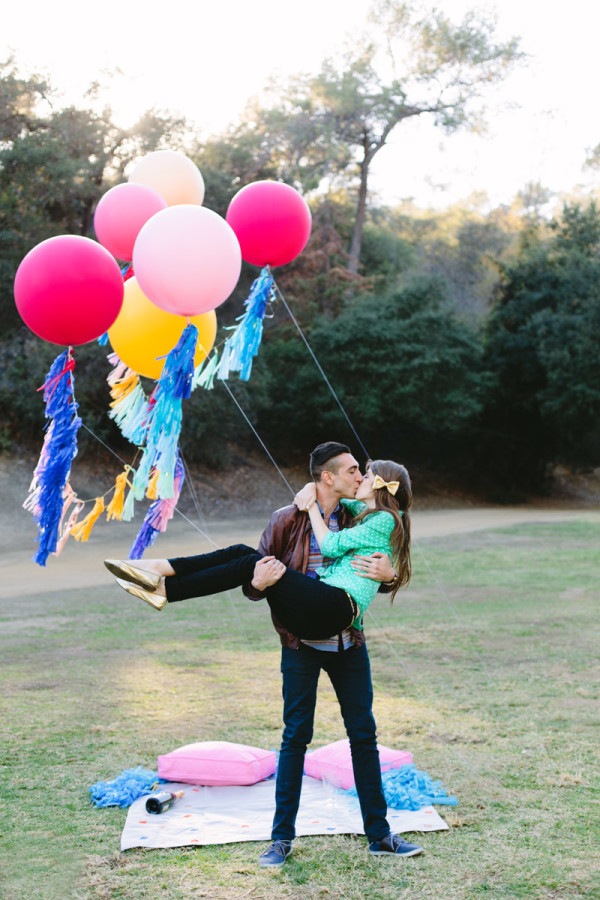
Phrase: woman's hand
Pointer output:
(267, 571)
(305, 498)
(377, 566)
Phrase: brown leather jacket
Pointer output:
(287, 537)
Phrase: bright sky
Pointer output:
(205, 61)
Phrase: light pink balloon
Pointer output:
(187, 260)
(120, 215)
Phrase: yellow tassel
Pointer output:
(81, 531)
(123, 387)
(152, 489)
(114, 510)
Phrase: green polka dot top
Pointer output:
(371, 535)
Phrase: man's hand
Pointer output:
(267, 571)
(377, 566)
(307, 496)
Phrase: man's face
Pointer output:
(347, 479)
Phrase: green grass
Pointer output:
(487, 669)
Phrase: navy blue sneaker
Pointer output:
(392, 844)
(276, 854)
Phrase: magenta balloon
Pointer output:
(120, 215)
(272, 222)
(68, 290)
(187, 260)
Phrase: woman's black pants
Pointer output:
(306, 606)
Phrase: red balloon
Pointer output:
(272, 222)
(68, 290)
(120, 215)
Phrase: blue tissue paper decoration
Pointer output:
(164, 416)
(240, 349)
(409, 788)
(47, 491)
(127, 787)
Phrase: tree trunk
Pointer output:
(361, 208)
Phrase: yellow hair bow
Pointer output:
(392, 486)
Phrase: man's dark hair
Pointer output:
(321, 456)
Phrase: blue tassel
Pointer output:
(103, 339)
(409, 788)
(243, 345)
(164, 415)
(127, 787)
(158, 515)
(47, 492)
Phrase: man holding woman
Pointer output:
(291, 544)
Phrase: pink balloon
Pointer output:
(272, 222)
(187, 260)
(120, 215)
(68, 290)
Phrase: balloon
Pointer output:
(121, 213)
(272, 222)
(187, 260)
(143, 332)
(173, 175)
(68, 290)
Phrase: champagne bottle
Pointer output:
(161, 801)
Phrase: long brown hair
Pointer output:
(398, 505)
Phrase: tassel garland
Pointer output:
(244, 343)
(164, 416)
(114, 510)
(81, 531)
(205, 373)
(158, 516)
(47, 492)
(65, 530)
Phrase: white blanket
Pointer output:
(225, 815)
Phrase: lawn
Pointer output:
(486, 669)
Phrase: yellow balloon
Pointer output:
(143, 332)
(172, 174)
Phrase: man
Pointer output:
(288, 541)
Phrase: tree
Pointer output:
(407, 372)
(543, 346)
(54, 166)
(336, 122)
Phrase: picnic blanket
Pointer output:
(225, 815)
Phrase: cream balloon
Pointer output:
(172, 174)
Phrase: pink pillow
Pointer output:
(217, 763)
(333, 763)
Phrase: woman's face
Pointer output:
(365, 489)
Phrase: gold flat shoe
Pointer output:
(155, 600)
(121, 569)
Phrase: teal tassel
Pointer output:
(165, 415)
(204, 376)
(128, 506)
(243, 345)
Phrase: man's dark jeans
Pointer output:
(350, 675)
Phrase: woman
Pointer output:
(311, 608)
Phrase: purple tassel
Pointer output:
(47, 491)
(157, 517)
